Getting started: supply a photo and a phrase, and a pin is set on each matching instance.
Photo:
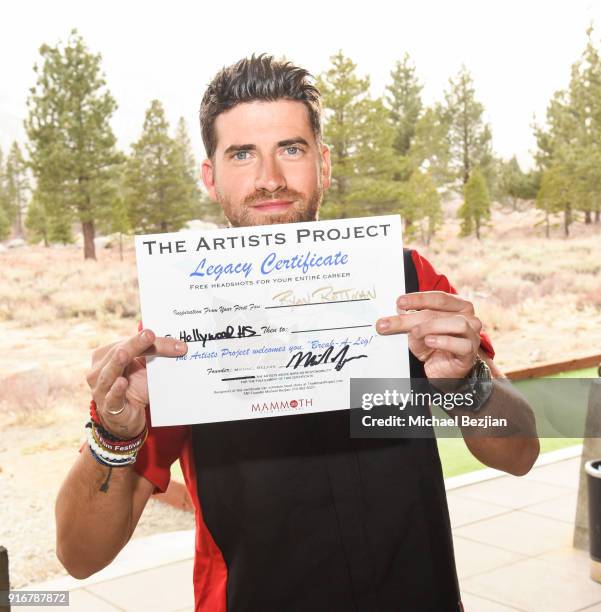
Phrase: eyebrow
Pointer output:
(251, 147)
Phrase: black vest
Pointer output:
(309, 519)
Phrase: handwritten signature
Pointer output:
(324, 294)
(242, 331)
(309, 358)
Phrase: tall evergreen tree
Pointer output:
(430, 147)
(404, 100)
(475, 209)
(17, 186)
(36, 221)
(569, 145)
(426, 203)
(158, 185)
(360, 133)
(71, 144)
(345, 99)
(556, 195)
(469, 137)
(189, 166)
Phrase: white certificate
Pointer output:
(278, 318)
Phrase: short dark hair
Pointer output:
(257, 78)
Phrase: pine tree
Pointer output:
(345, 99)
(360, 133)
(189, 166)
(514, 184)
(569, 146)
(476, 206)
(71, 144)
(404, 100)
(430, 147)
(36, 221)
(556, 195)
(469, 137)
(158, 185)
(4, 224)
(426, 202)
(17, 186)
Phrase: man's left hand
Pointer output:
(442, 330)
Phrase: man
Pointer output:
(291, 513)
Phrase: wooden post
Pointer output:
(591, 449)
(4, 578)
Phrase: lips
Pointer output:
(273, 205)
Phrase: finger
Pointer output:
(434, 300)
(116, 396)
(460, 347)
(455, 325)
(97, 367)
(403, 322)
(100, 353)
(166, 347)
(110, 372)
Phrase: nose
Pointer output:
(270, 176)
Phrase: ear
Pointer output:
(208, 178)
(326, 166)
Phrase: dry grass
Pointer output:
(539, 298)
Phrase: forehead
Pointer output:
(263, 122)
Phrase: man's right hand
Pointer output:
(118, 380)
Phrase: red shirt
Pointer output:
(165, 445)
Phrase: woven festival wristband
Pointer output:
(105, 457)
(119, 447)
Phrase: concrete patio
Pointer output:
(513, 544)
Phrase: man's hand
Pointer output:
(118, 380)
(442, 330)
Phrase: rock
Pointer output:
(15, 243)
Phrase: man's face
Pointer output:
(267, 167)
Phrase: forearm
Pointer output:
(513, 447)
(92, 526)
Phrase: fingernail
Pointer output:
(431, 341)
(401, 302)
(180, 346)
(384, 324)
(145, 336)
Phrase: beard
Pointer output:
(303, 208)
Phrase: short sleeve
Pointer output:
(430, 280)
(162, 448)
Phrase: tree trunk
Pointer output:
(19, 219)
(4, 576)
(89, 250)
(597, 216)
(587, 217)
(567, 219)
(478, 229)
(547, 228)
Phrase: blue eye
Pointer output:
(236, 155)
(294, 149)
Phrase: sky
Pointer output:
(519, 53)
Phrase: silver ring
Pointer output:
(115, 412)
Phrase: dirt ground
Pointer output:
(540, 300)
